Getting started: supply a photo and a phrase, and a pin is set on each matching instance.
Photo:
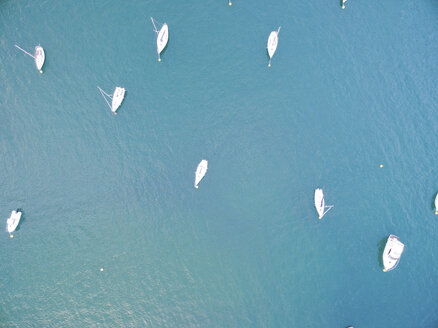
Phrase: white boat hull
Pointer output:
(13, 221)
(118, 96)
(201, 170)
(272, 43)
(40, 57)
(162, 38)
(320, 205)
(319, 202)
(392, 253)
(436, 204)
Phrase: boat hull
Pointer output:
(201, 170)
(319, 202)
(272, 43)
(40, 57)
(392, 253)
(162, 38)
(118, 96)
(13, 221)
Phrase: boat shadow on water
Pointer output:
(163, 52)
(46, 62)
(124, 96)
(267, 55)
(22, 219)
(432, 202)
(381, 246)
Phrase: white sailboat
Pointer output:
(436, 204)
(116, 98)
(272, 44)
(200, 171)
(13, 221)
(39, 56)
(162, 37)
(320, 206)
(392, 253)
(343, 4)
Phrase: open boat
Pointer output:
(162, 37)
(320, 206)
(40, 57)
(13, 221)
(116, 98)
(392, 253)
(272, 44)
(200, 171)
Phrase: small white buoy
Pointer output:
(381, 165)
(101, 269)
(11, 236)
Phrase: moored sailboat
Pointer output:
(272, 44)
(162, 37)
(39, 56)
(320, 206)
(201, 170)
(116, 98)
(343, 3)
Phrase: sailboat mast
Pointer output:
(155, 28)
(103, 93)
(24, 51)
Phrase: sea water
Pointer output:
(114, 234)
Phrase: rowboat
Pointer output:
(392, 253)
(272, 44)
(162, 37)
(40, 57)
(320, 206)
(200, 171)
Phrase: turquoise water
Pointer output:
(348, 90)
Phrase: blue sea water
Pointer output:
(348, 90)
